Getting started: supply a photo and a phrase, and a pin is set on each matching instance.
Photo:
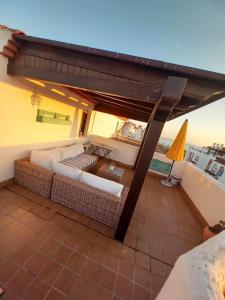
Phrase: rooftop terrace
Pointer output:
(48, 251)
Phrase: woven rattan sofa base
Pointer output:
(90, 201)
(34, 178)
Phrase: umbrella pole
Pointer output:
(166, 182)
(171, 169)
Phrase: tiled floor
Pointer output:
(50, 252)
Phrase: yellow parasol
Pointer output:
(176, 151)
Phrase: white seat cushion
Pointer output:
(61, 169)
(44, 158)
(102, 183)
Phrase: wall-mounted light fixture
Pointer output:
(58, 92)
(35, 99)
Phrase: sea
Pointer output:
(167, 142)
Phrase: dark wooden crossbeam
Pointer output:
(171, 95)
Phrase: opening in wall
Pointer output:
(83, 123)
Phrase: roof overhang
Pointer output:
(116, 83)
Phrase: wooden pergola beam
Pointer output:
(81, 78)
(171, 95)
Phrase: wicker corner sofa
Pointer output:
(90, 201)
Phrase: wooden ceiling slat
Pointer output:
(122, 112)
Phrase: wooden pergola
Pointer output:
(132, 87)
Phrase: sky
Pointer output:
(190, 33)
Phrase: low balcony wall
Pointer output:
(207, 193)
(123, 153)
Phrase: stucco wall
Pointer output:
(103, 124)
(207, 194)
(19, 131)
(122, 152)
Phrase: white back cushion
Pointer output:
(64, 170)
(67, 152)
(44, 158)
(78, 148)
(102, 183)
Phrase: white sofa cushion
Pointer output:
(44, 158)
(102, 183)
(67, 152)
(78, 148)
(64, 170)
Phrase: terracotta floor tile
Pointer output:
(74, 215)
(35, 263)
(18, 212)
(9, 294)
(91, 270)
(111, 262)
(102, 294)
(65, 281)
(142, 276)
(5, 220)
(107, 279)
(126, 269)
(37, 290)
(9, 244)
(90, 235)
(141, 293)
(83, 246)
(128, 254)
(7, 270)
(76, 262)
(123, 287)
(50, 272)
(84, 220)
(20, 281)
(35, 240)
(59, 235)
(48, 247)
(115, 247)
(83, 290)
(55, 295)
(102, 241)
(78, 229)
(71, 240)
(159, 268)
(97, 253)
(142, 260)
(62, 254)
(57, 219)
(156, 284)
(22, 255)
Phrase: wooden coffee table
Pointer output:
(115, 175)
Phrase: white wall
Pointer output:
(207, 194)
(122, 152)
(102, 124)
(19, 131)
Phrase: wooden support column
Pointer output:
(141, 146)
(170, 96)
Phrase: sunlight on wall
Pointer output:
(103, 124)
(18, 118)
